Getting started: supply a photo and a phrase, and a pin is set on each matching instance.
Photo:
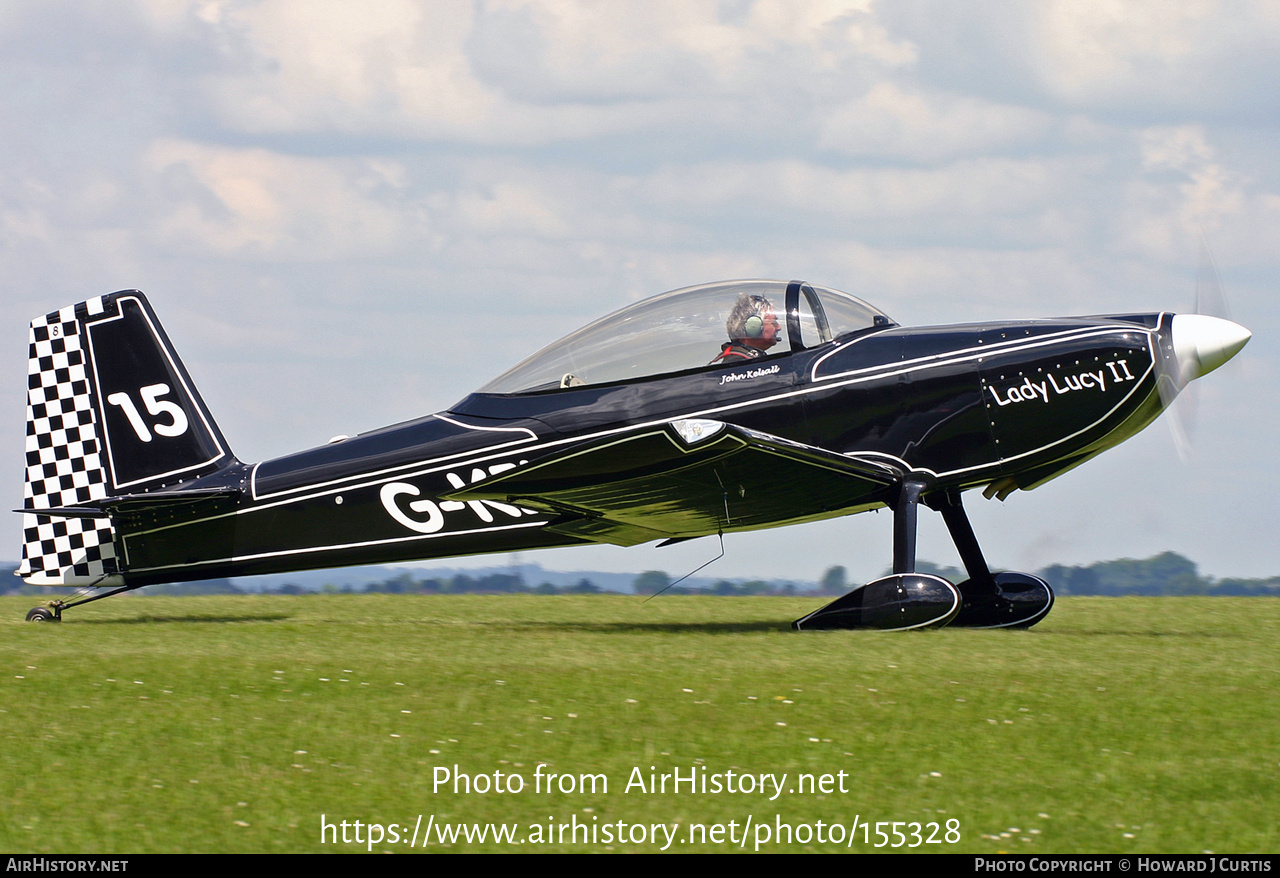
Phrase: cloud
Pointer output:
(892, 122)
(1183, 189)
(258, 204)
(1142, 57)
(509, 72)
(948, 198)
(1144, 61)
(396, 68)
(657, 49)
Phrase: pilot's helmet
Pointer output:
(746, 320)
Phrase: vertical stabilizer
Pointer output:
(111, 411)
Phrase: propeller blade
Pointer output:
(1201, 342)
(1209, 297)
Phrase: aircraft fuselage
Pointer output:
(1011, 403)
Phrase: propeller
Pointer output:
(1195, 345)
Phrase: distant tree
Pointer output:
(1247, 587)
(584, 586)
(402, 584)
(834, 581)
(500, 582)
(11, 584)
(651, 582)
(1177, 575)
(1165, 574)
(724, 587)
(1071, 580)
(204, 586)
(432, 586)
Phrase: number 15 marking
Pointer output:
(156, 406)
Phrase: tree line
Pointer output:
(1165, 574)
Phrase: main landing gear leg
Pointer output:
(1001, 600)
(905, 599)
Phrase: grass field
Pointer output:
(231, 724)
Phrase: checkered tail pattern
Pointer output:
(64, 457)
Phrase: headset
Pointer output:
(753, 326)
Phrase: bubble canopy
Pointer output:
(683, 330)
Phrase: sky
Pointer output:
(348, 215)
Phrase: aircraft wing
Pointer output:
(686, 478)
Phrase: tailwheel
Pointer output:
(898, 602)
(53, 612)
(1021, 600)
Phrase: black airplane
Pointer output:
(731, 406)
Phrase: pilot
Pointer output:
(753, 328)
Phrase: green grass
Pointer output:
(145, 724)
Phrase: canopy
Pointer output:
(686, 329)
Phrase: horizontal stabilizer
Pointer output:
(687, 478)
(126, 503)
